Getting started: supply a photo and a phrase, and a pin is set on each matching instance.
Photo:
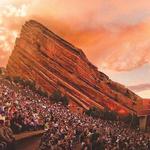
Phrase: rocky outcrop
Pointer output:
(53, 63)
(145, 109)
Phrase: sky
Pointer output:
(114, 34)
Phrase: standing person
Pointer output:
(15, 123)
(7, 139)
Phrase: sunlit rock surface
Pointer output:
(53, 63)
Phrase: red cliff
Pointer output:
(53, 63)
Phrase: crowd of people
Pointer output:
(23, 110)
(69, 131)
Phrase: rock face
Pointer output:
(53, 63)
(145, 109)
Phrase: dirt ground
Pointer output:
(29, 143)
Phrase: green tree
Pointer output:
(40, 92)
(109, 114)
(105, 114)
(134, 121)
(127, 119)
(56, 96)
(45, 94)
(64, 100)
(17, 79)
(94, 112)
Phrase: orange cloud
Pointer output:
(114, 34)
(140, 87)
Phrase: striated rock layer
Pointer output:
(53, 63)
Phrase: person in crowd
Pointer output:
(7, 140)
(16, 123)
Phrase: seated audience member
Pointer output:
(15, 123)
(7, 140)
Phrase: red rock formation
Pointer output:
(44, 57)
(145, 108)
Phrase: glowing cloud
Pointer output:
(104, 29)
(114, 34)
(10, 20)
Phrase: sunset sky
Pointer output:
(114, 34)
